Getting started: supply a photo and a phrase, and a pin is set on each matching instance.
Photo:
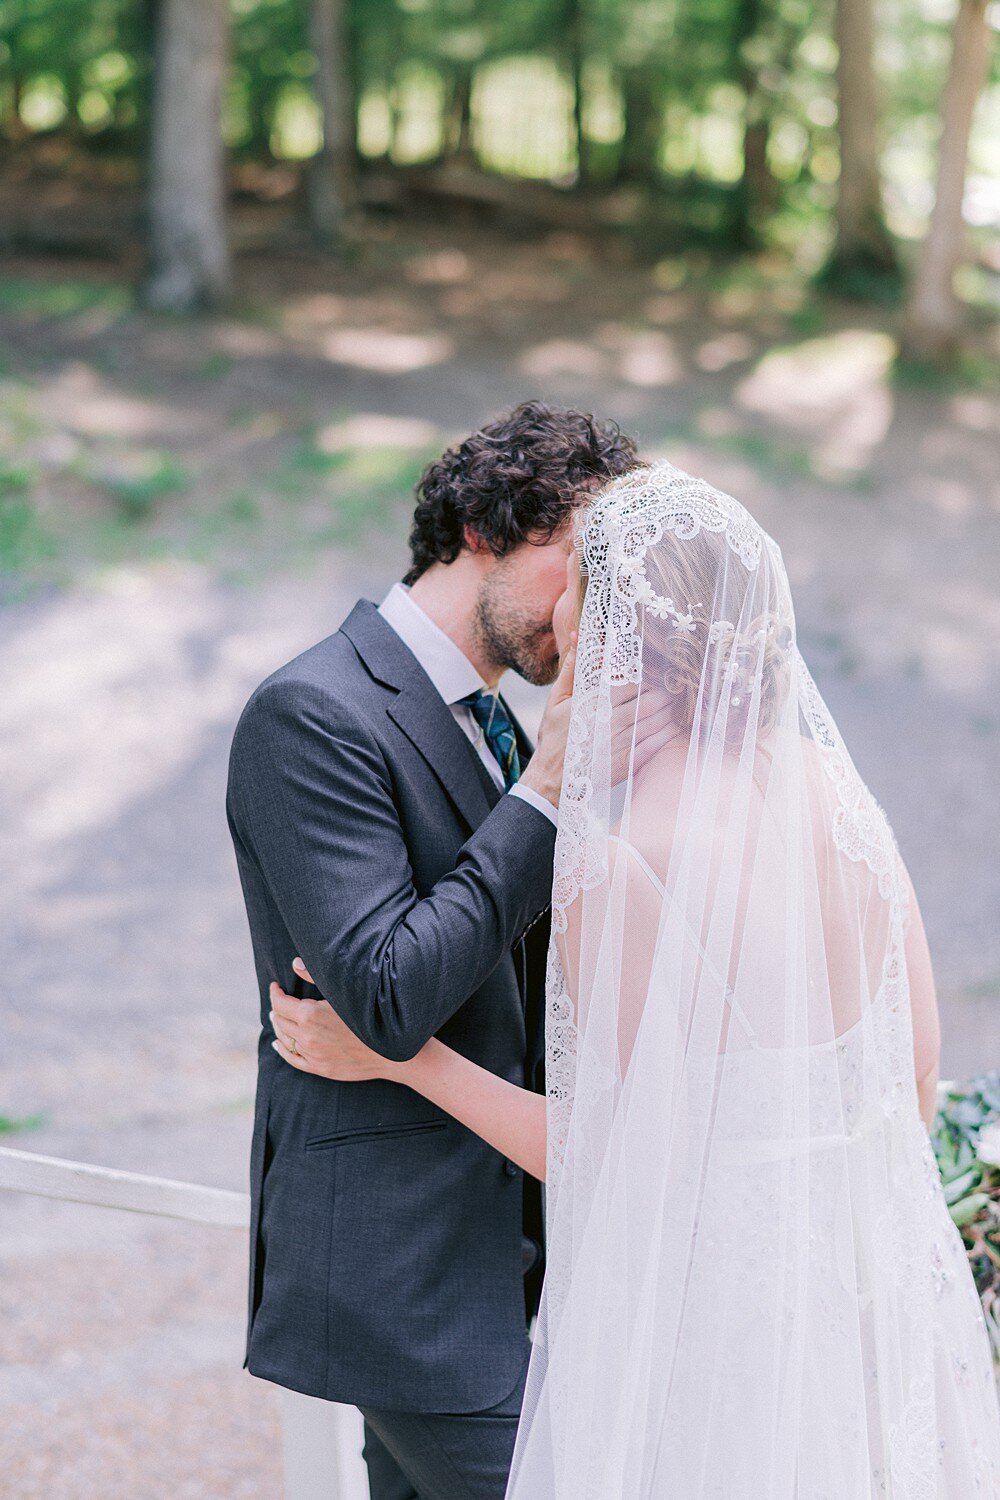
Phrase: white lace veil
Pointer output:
(737, 1300)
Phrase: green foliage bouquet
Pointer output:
(967, 1146)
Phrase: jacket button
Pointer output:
(511, 1168)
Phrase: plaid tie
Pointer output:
(494, 720)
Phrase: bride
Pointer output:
(754, 1289)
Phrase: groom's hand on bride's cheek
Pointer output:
(545, 768)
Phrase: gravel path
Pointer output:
(129, 1025)
(127, 989)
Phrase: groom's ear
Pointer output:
(473, 542)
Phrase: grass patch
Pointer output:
(136, 495)
(877, 285)
(308, 502)
(374, 483)
(923, 375)
(215, 366)
(308, 459)
(972, 369)
(24, 539)
(243, 508)
(14, 479)
(780, 460)
(361, 484)
(12, 1124)
(809, 321)
(60, 299)
(783, 460)
(985, 989)
(242, 416)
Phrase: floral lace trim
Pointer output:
(861, 829)
(615, 540)
(913, 1447)
(633, 518)
(637, 511)
(560, 1061)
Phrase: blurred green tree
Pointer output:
(188, 249)
(331, 181)
(934, 315)
(862, 242)
(742, 123)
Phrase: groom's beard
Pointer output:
(514, 639)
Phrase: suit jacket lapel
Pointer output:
(430, 726)
(420, 711)
(493, 792)
(525, 748)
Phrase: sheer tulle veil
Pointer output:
(754, 1291)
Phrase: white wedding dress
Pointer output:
(861, 1252)
(755, 1290)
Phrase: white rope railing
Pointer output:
(80, 1182)
(321, 1440)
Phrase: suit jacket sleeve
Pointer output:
(310, 799)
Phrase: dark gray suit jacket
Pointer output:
(386, 1239)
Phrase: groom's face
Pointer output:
(514, 609)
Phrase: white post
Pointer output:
(322, 1447)
(322, 1440)
(80, 1182)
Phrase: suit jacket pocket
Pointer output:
(372, 1133)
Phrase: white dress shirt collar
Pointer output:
(454, 676)
(450, 670)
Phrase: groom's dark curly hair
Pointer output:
(515, 480)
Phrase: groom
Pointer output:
(393, 828)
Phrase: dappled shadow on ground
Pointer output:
(301, 419)
(120, 1362)
(186, 505)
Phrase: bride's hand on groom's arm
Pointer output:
(311, 1037)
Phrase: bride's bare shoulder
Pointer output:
(659, 784)
(655, 804)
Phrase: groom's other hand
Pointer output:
(545, 769)
(641, 724)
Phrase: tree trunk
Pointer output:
(17, 130)
(933, 325)
(574, 41)
(757, 190)
(862, 241)
(16, 95)
(395, 115)
(145, 28)
(640, 149)
(189, 257)
(331, 181)
(458, 117)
